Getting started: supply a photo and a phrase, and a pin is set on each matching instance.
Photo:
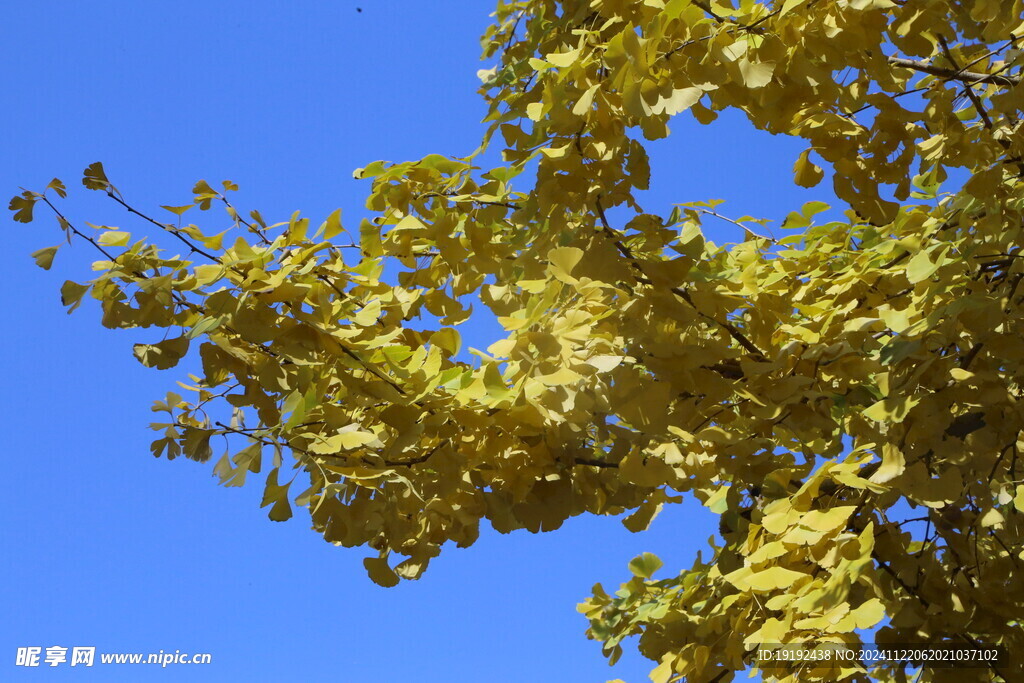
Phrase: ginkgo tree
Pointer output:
(811, 389)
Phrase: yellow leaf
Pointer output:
(559, 377)
(95, 178)
(869, 614)
(379, 571)
(992, 518)
(162, 355)
(332, 226)
(555, 152)
(756, 74)
(57, 186)
(178, 210)
(585, 101)
(663, 672)
(448, 339)
(207, 273)
(827, 520)
(215, 242)
(768, 551)
(368, 314)
(114, 238)
(678, 101)
(892, 409)
(805, 172)
(893, 464)
(920, 267)
(605, 363)
(409, 223)
(772, 578)
(788, 6)
(563, 59)
(343, 441)
(71, 294)
(561, 262)
(44, 257)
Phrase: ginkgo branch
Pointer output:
(592, 462)
(452, 196)
(238, 218)
(954, 74)
(419, 459)
(978, 106)
(707, 9)
(64, 222)
(739, 224)
(167, 227)
(678, 291)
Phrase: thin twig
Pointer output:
(65, 222)
(969, 89)
(164, 226)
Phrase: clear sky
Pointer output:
(105, 546)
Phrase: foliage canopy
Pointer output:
(810, 389)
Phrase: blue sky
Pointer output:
(106, 546)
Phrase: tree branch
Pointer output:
(975, 100)
(594, 463)
(954, 74)
(740, 338)
(167, 227)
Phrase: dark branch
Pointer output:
(954, 74)
(164, 226)
(594, 463)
